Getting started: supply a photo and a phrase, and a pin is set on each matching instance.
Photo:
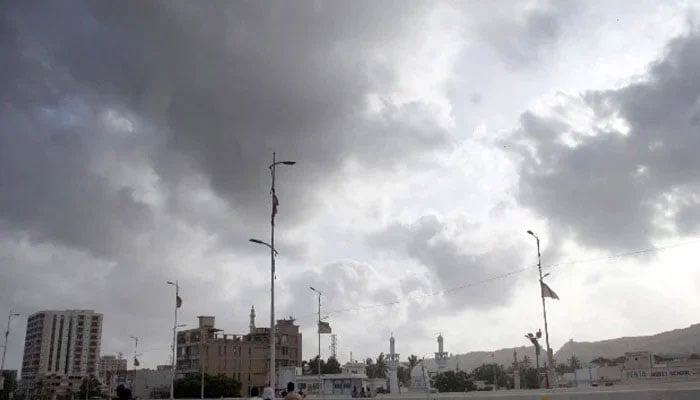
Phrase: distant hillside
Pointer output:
(676, 342)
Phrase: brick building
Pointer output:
(245, 357)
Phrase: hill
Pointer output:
(676, 342)
(683, 341)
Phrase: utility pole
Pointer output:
(548, 358)
(495, 371)
(173, 361)
(273, 254)
(320, 381)
(4, 349)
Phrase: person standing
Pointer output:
(268, 394)
(291, 394)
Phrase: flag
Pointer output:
(178, 302)
(275, 203)
(324, 327)
(136, 362)
(548, 292)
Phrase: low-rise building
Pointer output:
(351, 379)
(150, 383)
(245, 357)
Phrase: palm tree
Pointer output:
(412, 361)
(381, 367)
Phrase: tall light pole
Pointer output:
(4, 349)
(174, 363)
(320, 381)
(548, 360)
(133, 380)
(273, 254)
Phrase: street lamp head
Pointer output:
(289, 162)
(16, 314)
(531, 233)
(256, 241)
(170, 283)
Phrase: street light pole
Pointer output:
(174, 362)
(4, 349)
(548, 360)
(273, 254)
(133, 380)
(320, 381)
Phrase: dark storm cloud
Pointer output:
(623, 184)
(97, 98)
(435, 243)
(221, 85)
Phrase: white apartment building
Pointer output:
(62, 347)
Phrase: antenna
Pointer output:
(334, 345)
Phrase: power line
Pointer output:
(503, 276)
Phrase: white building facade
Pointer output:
(62, 347)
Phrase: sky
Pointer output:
(135, 139)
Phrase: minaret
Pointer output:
(393, 364)
(441, 356)
(252, 319)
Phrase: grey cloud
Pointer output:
(432, 242)
(528, 38)
(208, 91)
(356, 295)
(216, 88)
(616, 188)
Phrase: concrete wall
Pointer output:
(678, 391)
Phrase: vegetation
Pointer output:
(451, 381)
(90, 387)
(486, 372)
(378, 369)
(10, 384)
(404, 375)
(330, 366)
(215, 386)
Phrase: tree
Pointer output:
(526, 362)
(332, 366)
(378, 369)
(529, 378)
(694, 356)
(381, 366)
(412, 361)
(574, 363)
(404, 375)
(485, 372)
(215, 386)
(10, 385)
(313, 366)
(451, 381)
(90, 387)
